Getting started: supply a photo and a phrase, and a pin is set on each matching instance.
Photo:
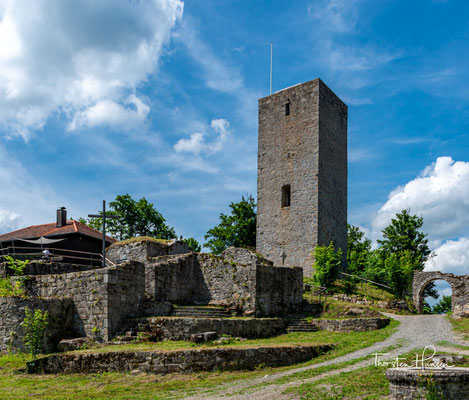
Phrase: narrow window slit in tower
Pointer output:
(287, 108)
(286, 195)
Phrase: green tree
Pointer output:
(399, 268)
(34, 324)
(358, 250)
(237, 229)
(193, 244)
(326, 264)
(404, 235)
(137, 218)
(443, 306)
(375, 268)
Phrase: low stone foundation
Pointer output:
(176, 328)
(412, 383)
(180, 361)
(351, 324)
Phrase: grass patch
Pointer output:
(455, 345)
(460, 326)
(15, 384)
(140, 239)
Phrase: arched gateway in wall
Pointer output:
(459, 285)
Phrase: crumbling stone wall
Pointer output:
(201, 279)
(144, 249)
(459, 286)
(207, 279)
(170, 328)
(306, 149)
(179, 361)
(278, 289)
(46, 268)
(60, 323)
(102, 298)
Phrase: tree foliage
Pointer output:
(358, 250)
(237, 229)
(35, 324)
(326, 264)
(443, 306)
(193, 244)
(402, 250)
(403, 234)
(137, 218)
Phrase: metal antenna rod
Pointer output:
(271, 50)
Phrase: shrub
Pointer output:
(34, 324)
(326, 265)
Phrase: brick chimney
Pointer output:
(61, 217)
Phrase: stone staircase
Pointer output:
(200, 312)
(299, 322)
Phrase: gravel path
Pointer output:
(415, 331)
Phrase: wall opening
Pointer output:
(286, 196)
(287, 109)
(440, 304)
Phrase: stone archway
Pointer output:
(459, 286)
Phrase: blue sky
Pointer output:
(159, 99)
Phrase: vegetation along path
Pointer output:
(415, 331)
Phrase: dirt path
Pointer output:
(416, 331)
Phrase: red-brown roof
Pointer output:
(48, 230)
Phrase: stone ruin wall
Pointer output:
(94, 303)
(239, 277)
(102, 298)
(207, 279)
(12, 313)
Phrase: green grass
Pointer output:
(16, 384)
(455, 345)
(460, 326)
(140, 239)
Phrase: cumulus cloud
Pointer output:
(9, 221)
(81, 58)
(452, 256)
(196, 143)
(107, 112)
(440, 194)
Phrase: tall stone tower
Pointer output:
(302, 174)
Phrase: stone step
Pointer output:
(200, 312)
(302, 329)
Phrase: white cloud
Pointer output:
(353, 58)
(196, 143)
(107, 112)
(9, 220)
(355, 155)
(452, 256)
(77, 57)
(341, 16)
(440, 194)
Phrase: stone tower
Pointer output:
(302, 174)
